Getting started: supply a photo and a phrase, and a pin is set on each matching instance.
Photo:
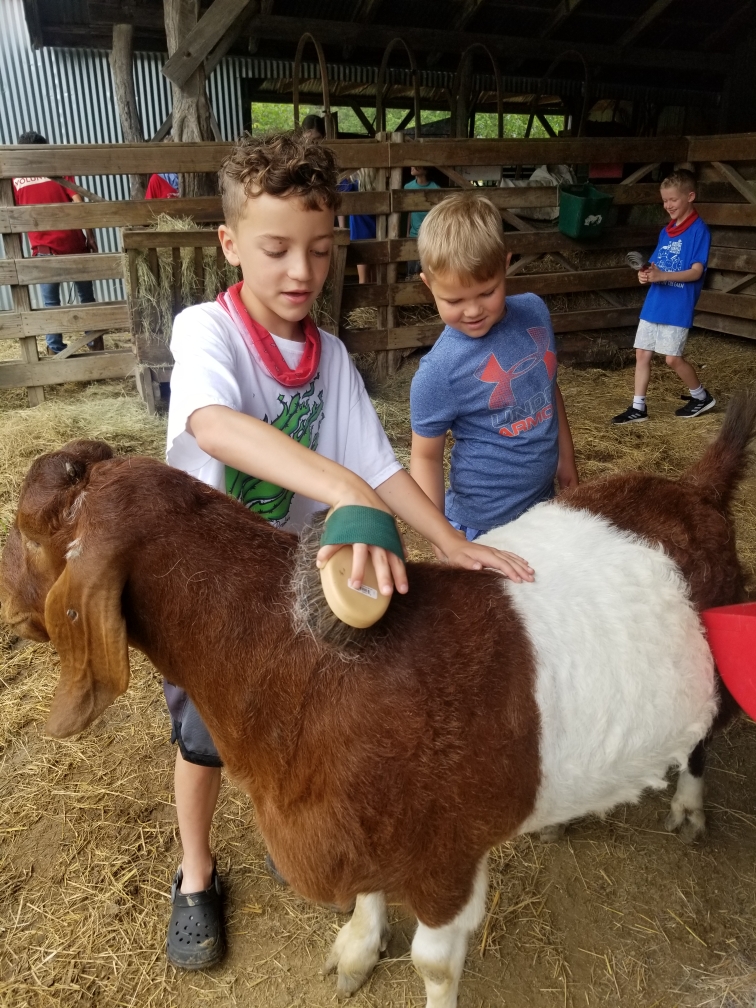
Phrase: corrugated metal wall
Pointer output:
(67, 95)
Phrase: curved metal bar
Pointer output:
(497, 78)
(329, 125)
(554, 65)
(380, 87)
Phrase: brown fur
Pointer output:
(392, 772)
(376, 762)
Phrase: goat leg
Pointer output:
(686, 812)
(359, 944)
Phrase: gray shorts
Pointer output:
(188, 728)
(662, 339)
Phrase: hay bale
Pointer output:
(155, 298)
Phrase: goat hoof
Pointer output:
(354, 958)
(551, 834)
(690, 824)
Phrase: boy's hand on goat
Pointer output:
(476, 556)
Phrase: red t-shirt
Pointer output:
(28, 191)
(159, 188)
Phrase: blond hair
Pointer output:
(462, 237)
(280, 164)
(681, 179)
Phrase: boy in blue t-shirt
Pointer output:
(420, 180)
(676, 274)
(490, 378)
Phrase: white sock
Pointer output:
(639, 402)
(698, 393)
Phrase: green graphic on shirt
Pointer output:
(300, 418)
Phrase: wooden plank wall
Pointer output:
(727, 304)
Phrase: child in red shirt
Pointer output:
(40, 189)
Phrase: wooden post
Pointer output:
(393, 358)
(20, 295)
(191, 108)
(382, 363)
(122, 66)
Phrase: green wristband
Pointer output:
(354, 523)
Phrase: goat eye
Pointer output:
(72, 614)
(32, 545)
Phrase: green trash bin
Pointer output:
(583, 210)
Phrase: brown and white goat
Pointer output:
(476, 710)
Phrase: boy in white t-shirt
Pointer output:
(269, 408)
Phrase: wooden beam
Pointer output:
(725, 324)
(200, 41)
(721, 147)
(403, 293)
(532, 243)
(87, 367)
(739, 305)
(653, 12)
(736, 180)
(560, 14)
(59, 269)
(86, 193)
(742, 261)
(406, 337)
(738, 214)
(122, 69)
(27, 323)
(639, 173)
(357, 109)
(289, 29)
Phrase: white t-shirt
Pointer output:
(332, 414)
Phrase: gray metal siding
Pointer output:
(67, 95)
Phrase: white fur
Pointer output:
(438, 954)
(359, 943)
(74, 550)
(625, 678)
(686, 811)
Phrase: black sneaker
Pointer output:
(631, 415)
(196, 938)
(695, 406)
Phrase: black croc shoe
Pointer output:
(196, 939)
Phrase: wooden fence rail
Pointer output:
(727, 201)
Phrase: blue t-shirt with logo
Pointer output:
(497, 395)
(671, 302)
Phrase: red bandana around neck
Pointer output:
(673, 230)
(263, 347)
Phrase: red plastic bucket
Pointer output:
(732, 637)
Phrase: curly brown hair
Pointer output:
(282, 165)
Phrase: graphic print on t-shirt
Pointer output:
(538, 408)
(669, 260)
(300, 418)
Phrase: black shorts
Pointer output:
(188, 728)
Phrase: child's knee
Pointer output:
(643, 356)
(673, 361)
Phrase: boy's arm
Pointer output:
(654, 275)
(567, 474)
(405, 498)
(255, 447)
(427, 466)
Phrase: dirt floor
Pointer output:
(618, 913)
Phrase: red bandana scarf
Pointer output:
(262, 346)
(673, 230)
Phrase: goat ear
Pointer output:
(86, 626)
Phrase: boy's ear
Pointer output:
(507, 261)
(424, 278)
(228, 244)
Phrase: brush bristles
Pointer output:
(312, 614)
